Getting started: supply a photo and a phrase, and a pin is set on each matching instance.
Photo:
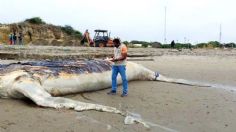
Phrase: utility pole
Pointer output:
(220, 34)
(165, 28)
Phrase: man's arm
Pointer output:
(123, 57)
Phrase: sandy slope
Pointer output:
(179, 107)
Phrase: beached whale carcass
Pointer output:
(44, 81)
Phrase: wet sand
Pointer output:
(177, 107)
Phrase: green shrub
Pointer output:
(230, 45)
(126, 42)
(201, 45)
(210, 44)
(145, 45)
(165, 46)
(78, 34)
(35, 20)
(214, 43)
(70, 31)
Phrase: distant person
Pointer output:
(14, 38)
(86, 32)
(20, 38)
(172, 45)
(11, 39)
(86, 38)
(119, 66)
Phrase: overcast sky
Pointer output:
(186, 20)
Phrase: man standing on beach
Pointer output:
(119, 66)
(172, 45)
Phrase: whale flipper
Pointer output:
(34, 91)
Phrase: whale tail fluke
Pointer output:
(159, 77)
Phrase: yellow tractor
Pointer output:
(102, 39)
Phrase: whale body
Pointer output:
(44, 81)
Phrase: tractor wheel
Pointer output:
(101, 44)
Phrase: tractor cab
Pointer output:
(102, 39)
